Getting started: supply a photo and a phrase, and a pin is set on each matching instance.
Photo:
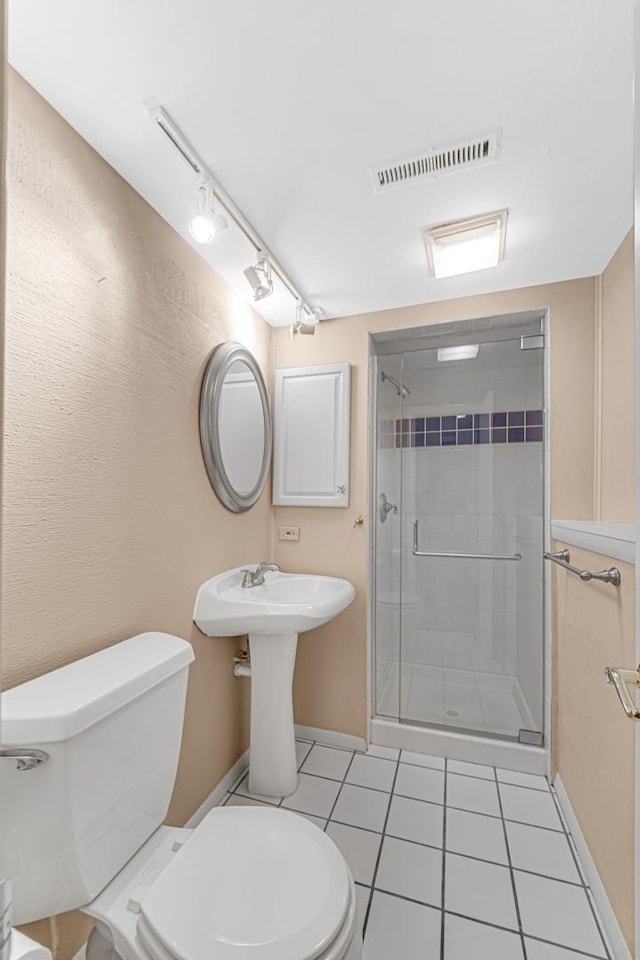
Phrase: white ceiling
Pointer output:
(290, 101)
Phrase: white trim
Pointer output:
(617, 943)
(459, 746)
(219, 791)
(331, 738)
(616, 540)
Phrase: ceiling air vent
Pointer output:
(435, 163)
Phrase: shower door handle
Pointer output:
(386, 507)
(622, 680)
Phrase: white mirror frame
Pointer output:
(216, 370)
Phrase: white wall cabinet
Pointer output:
(311, 436)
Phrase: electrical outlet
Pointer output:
(288, 533)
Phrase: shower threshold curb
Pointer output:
(456, 746)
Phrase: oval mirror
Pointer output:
(235, 426)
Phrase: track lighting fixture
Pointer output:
(259, 277)
(205, 222)
(209, 197)
(305, 322)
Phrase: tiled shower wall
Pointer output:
(478, 497)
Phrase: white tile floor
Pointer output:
(450, 859)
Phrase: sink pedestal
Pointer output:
(272, 760)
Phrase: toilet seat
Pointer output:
(256, 883)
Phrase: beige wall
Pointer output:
(594, 752)
(330, 682)
(615, 462)
(593, 625)
(109, 523)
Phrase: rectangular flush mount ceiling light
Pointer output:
(466, 351)
(466, 245)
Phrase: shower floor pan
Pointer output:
(456, 713)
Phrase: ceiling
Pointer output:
(289, 102)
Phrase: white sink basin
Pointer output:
(284, 603)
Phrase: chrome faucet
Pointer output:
(253, 578)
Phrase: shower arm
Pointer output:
(401, 389)
(463, 556)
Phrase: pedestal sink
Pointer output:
(272, 614)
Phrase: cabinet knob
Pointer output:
(342, 488)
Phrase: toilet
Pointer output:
(84, 828)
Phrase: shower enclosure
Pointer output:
(458, 609)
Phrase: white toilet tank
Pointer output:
(112, 726)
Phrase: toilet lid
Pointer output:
(254, 883)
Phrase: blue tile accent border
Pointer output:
(463, 429)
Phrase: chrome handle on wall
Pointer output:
(26, 758)
(563, 557)
(463, 556)
(623, 679)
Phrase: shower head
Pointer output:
(401, 390)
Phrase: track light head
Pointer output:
(259, 277)
(205, 223)
(305, 322)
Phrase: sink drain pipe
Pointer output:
(241, 664)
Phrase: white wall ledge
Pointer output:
(615, 540)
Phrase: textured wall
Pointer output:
(617, 448)
(110, 523)
(593, 627)
(330, 682)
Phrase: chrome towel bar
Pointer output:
(563, 558)
(464, 556)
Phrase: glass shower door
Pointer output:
(471, 597)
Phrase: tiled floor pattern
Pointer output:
(450, 859)
(453, 697)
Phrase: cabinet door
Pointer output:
(311, 436)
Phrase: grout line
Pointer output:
(479, 813)
(401, 896)
(377, 864)
(511, 871)
(330, 746)
(521, 786)
(487, 923)
(419, 903)
(322, 776)
(584, 885)
(563, 946)
(496, 926)
(342, 783)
